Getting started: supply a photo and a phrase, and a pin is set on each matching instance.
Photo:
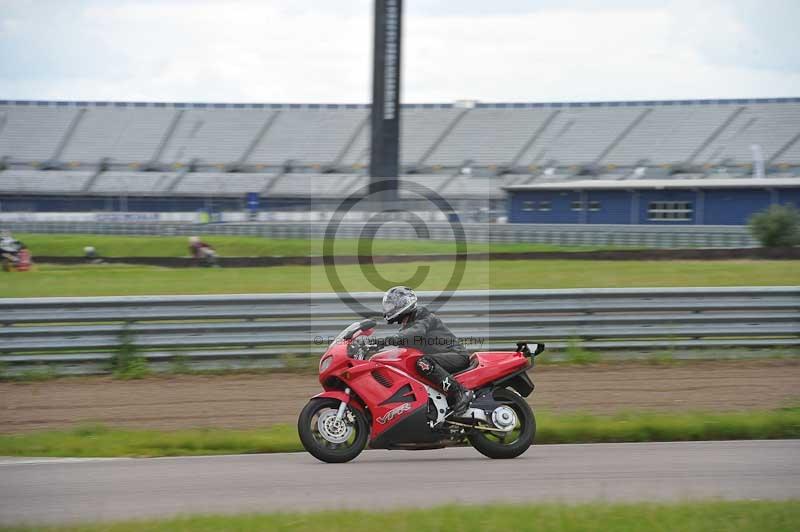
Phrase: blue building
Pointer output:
(709, 201)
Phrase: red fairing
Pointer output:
(492, 366)
(390, 395)
(387, 405)
(401, 358)
(339, 396)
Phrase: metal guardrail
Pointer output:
(646, 236)
(80, 335)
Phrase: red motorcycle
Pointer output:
(381, 400)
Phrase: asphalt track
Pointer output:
(60, 490)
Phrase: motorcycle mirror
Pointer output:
(368, 324)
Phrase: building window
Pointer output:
(544, 205)
(670, 211)
(594, 206)
(577, 205)
(527, 206)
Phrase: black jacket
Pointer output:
(426, 332)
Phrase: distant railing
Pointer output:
(644, 236)
(80, 335)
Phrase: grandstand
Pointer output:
(182, 156)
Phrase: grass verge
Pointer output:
(71, 245)
(98, 440)
(761, 516)
(109, 280)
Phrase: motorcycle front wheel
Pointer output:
(507, 444)
(326, 438)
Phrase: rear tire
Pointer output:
(333, 443)
(495, 446)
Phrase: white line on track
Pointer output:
(13, 461)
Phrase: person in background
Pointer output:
(204, 254)
(10, 248)
(7, 242)
(91, 255)
(24, 259)
(14, 254)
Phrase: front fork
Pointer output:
(343, 406)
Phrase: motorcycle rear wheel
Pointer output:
(328, 441)
(513, 444)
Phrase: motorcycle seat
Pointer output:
(473, 363)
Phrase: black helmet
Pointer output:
(397, 302)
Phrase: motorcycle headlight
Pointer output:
(325, 363)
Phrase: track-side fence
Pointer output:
(82, 335)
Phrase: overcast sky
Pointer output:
(320, 50)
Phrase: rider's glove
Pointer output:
(357, 348)
(361, 347)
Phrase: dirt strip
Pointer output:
(249, 401)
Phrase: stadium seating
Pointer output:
(579, 136)
(317, 150)
(507, 129)
(213, 136)
(309, 136)
(420, 128)
(420, 185)
(464, 186)
(126, 183)
(769, 126)
(124, 135)
(41, 182)
(317, 186)
(32, 134)
(221, 184)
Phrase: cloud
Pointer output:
(319, 51)
(761, 34)
(187, 51)
(578, 55)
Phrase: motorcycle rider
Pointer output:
(9, 248)
(7, 241)
(422, 329)
(203, 254)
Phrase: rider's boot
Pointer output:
(458, 397)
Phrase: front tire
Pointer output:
(517, 441)
(328, 440)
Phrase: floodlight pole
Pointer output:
(385, 113)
